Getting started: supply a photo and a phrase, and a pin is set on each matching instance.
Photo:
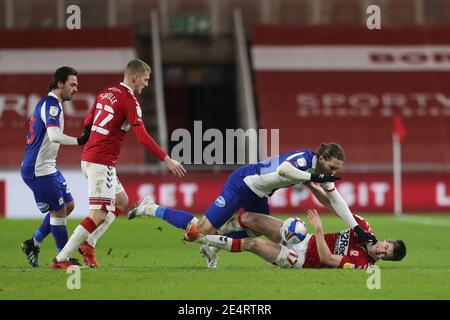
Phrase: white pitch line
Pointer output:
(425, 220)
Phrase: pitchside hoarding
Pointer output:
(27, 61)
(195, 192)
(341, 84)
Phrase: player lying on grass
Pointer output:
(250, 186)
(332, 250)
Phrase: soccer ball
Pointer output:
(293, 231)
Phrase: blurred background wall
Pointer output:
(310, 68)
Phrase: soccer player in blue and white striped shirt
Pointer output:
(38, 168)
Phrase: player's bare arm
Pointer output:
(326, 257)
(320, 195)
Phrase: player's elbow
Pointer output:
(53, 139)
(282, 170)
(326, 259)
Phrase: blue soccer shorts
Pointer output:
(50, 192)
(235, 195)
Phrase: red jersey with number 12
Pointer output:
(114, 112)
(346, 244)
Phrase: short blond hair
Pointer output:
(136, 66)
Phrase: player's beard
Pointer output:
(67, 97)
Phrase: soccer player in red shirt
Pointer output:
(333, 250)
(115, 111)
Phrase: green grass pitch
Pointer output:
(146, 259)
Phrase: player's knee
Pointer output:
(205, 227)
(99, 216)
(122, 203)
(248, 219)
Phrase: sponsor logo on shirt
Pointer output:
(220, 202)
(301, 162)
(342, 243)
(354, 253)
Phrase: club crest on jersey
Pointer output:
(43, 206)
(354, 253)
(301, 162)
(53, 111)
(342, 243)
(220, 202)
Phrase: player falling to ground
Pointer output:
(250, 186)
(333, 250)
(115, 111)
(38, 169)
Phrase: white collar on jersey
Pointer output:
(126, 86)
(314, 162)
(55, 96)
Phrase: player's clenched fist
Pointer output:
(174, 166)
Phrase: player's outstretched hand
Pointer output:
(174, 166)
(314, 218)
(324, 177)
(364, 236)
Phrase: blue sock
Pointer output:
(43, 230)
(237, 234)
(177, 218)
(59, 232)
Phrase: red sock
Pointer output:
(236, 245)
(239, 219)
(89, 224)
(117, 212)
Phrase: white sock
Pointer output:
(215, 249)
(219, 242)
(78, 237)
(93, 238)
(36, 243)
(151, 209)
(195, 220)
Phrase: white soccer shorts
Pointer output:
(293, 256)
(103, 185)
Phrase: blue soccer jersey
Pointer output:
(262, 177)
(249, 186)
(40, 152)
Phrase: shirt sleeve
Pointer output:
(50, 114)
(133, 112)
(147, 141)
(299, 161)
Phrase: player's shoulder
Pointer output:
(303, 153)
(48, 104)
(49, 100)
(113, 89)
(302, 158)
